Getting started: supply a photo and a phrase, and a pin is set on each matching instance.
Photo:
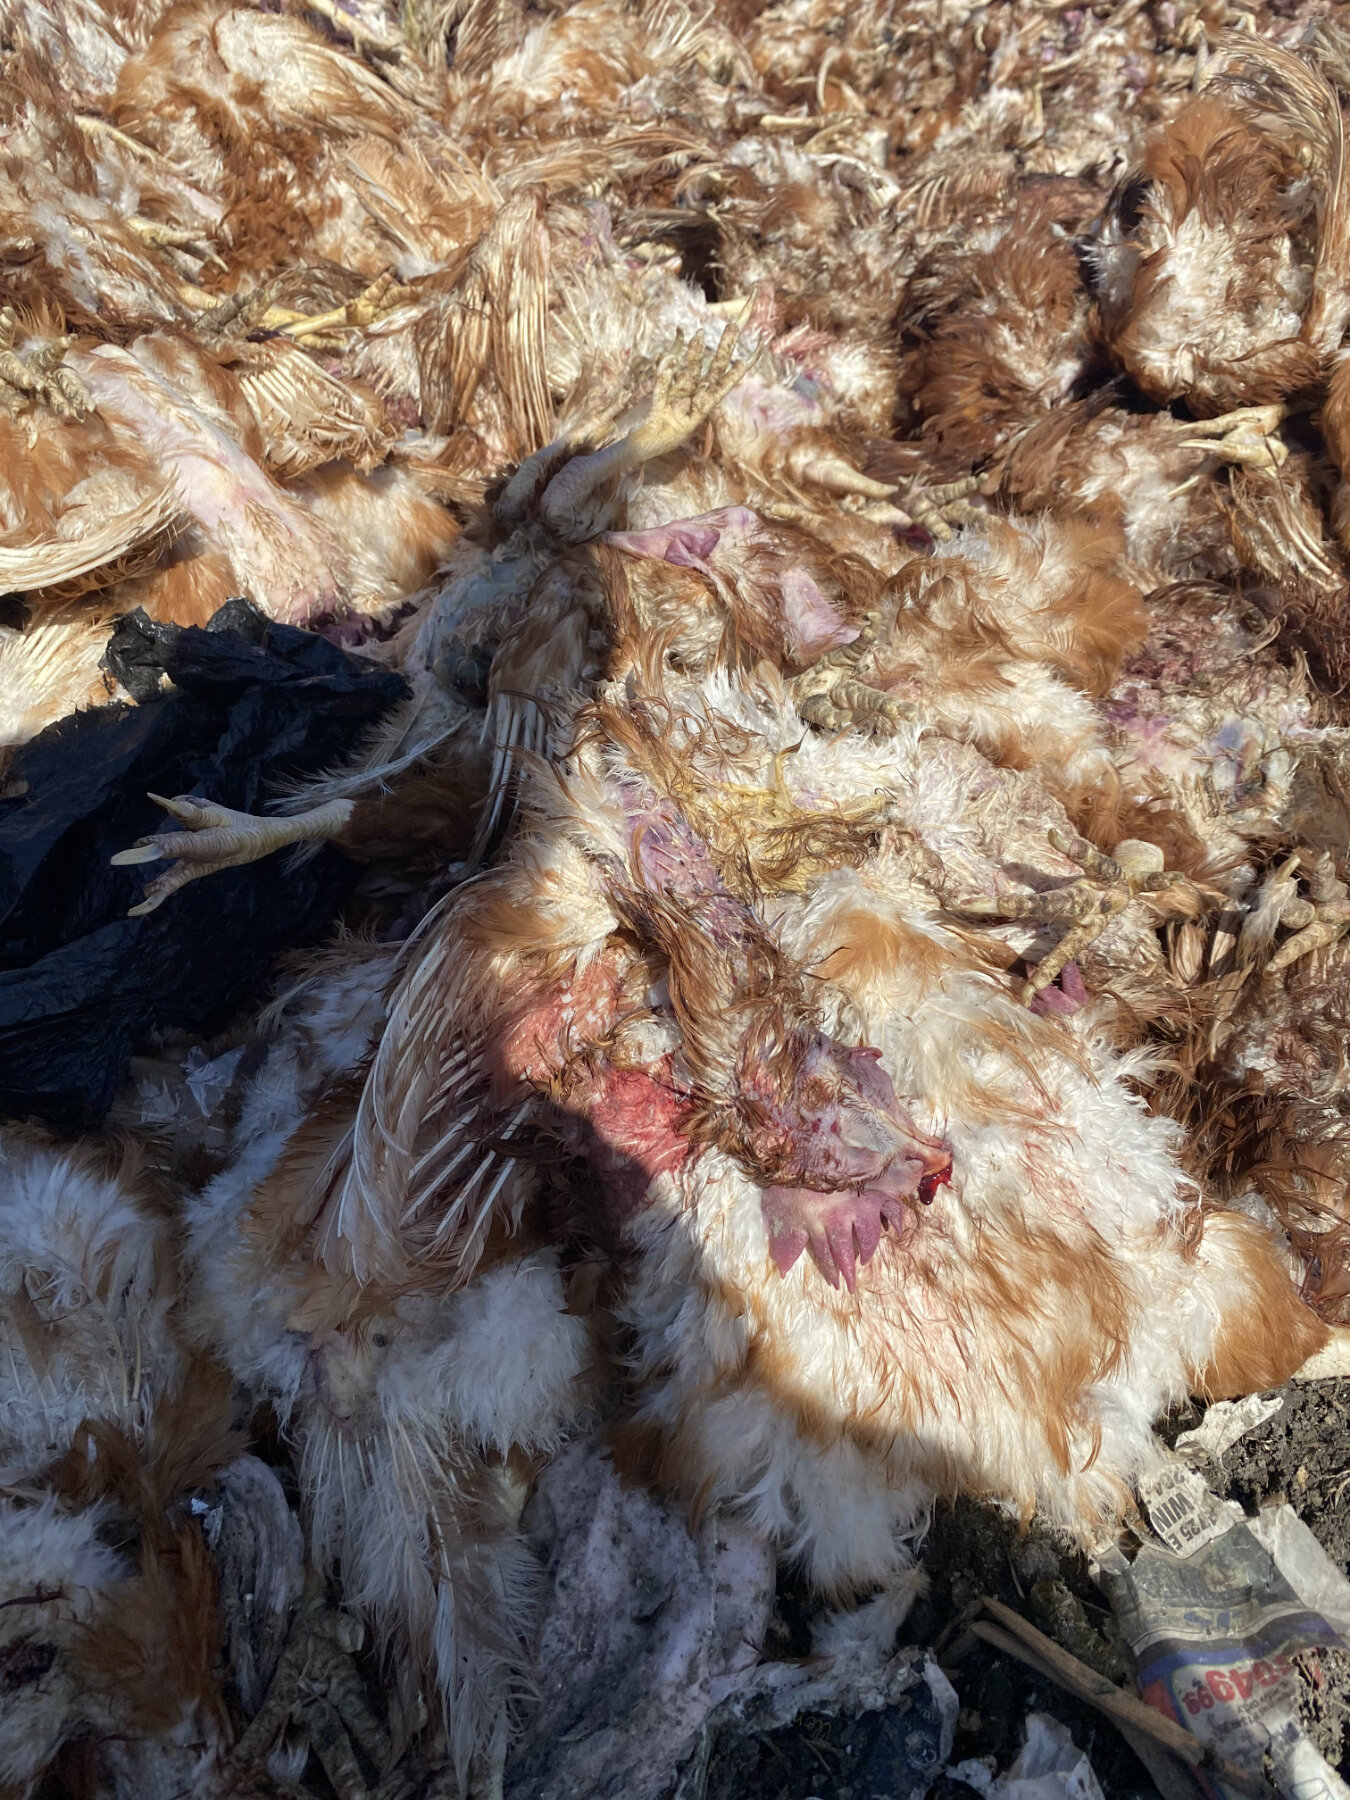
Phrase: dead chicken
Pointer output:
(999, 327)
(721, 964)
(414, 1412)
(1222, 262)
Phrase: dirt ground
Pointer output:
(1301, 1455)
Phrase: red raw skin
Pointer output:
(633, 1125)
(630, 1124)
(545, 1029)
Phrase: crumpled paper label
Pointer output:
(1181, 1509)
(1227, 1421)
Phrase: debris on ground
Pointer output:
(1214, 1631)
(1049, 1766)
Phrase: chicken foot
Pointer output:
(1319, 921)
(38, 375)
(831, 698)
(1110, 884)
(837, 476)
(937, 509)
(218, 837)
(685, 394)
(382, 296)
(160, 236)
(1245, 437)
(318, 1690)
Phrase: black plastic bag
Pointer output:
(81, 985)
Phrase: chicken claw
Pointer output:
(1109, 885)
(835, 702)
(39, 375)
(1245, 437)
(832, 698)
(218, 837)
(1320, 921)
(318, 1690)
(160, 236)
(382, 296)
(686, 393)
(936, 509)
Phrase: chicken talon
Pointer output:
(1109, 887)
(834, 703)
(1318, 936)
(685, 393)
(1244, 438)
(166, 885)
(817, 710)
(196, 814)
(1317, 923)
(146, 850)
(936, 509)
(217, 837)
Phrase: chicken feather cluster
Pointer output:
(844, 1000)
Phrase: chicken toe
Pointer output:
(218, 837)
(1245, 438)
(38, 374)
(835, 702)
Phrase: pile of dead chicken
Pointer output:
(840, 985)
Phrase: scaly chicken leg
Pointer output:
(938, 509)
(569, 500)
(218, 837)
(1109, 885)
(831, 698)
(1316, 923)
(684, 395)
(39, 375)
(318, 1690)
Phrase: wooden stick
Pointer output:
(1030, 1646)
(1174, 1779)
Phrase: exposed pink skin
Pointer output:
(813, 625)
(861, 1159)
(841, 1126)
(842, 1229)
(713, 542)
(847, 1153)
(631, 1124)
(543, 1029)
(673, 860)
(688, 543)
(279, 553)
(1062, 1002)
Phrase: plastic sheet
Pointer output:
(82, 986)
(1049, 1766)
